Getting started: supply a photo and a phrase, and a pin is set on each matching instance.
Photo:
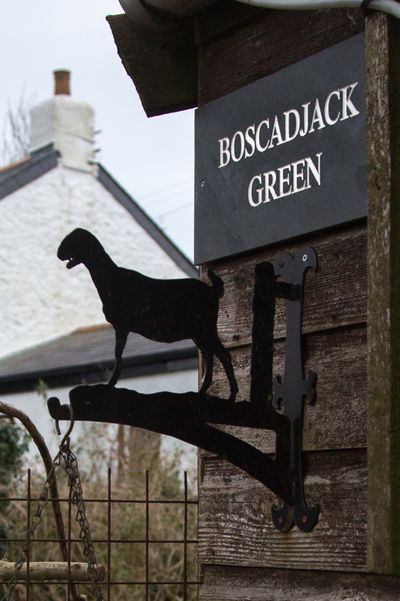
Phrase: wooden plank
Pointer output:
(338, 420)
(335, 295)
(223, 17)
(271, 42)
(162, 63)
(235, 526)
(225, 583)
(383, 93)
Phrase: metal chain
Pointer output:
(70, 461)
(76, 497)
(30, 534)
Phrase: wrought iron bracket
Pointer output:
(289, 392)
(275, 403)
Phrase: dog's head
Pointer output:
(78, 247)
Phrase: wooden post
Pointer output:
(352, 435)
(383, 103)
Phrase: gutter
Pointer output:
(146, 364)
(156, 13)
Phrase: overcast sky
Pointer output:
(151, 158)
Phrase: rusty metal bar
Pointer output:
(117, 582)
(185, 532)
(69, 546)
(28, 527)
(183, 582)
(114, 501)
(109, 490)
(105, 540)
(147, 535)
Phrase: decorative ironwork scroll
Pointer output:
(169, 310)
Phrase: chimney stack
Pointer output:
(62, 82)
(67, 124)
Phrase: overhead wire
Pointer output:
(159, 191)
(174, 210)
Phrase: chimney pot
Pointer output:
(62, 82)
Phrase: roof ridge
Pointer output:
(39, 163)
(15, 164)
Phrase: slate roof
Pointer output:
(26, 171)
(87, 355)
(15, 176)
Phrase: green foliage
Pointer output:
(14, 443)
(42, 389)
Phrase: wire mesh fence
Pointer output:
(145, 543)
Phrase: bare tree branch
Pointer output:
(15, 141)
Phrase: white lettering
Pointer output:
(306, 107)
(317, 117)
(298, 174)
(269, 183)
(258, 132)
(289, 137)
(284, 180)
(237, 136)
(337, 105)
(250, 141)
(224, 154)
(316, 171)
(327, 114)
(276, 133)
(348, 108)
(259, 191)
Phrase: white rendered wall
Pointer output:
(39, 298)
(35, 407)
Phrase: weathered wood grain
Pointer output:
(383, 93)
(237, 47)
(223, 17)
(338, 420)
(235, 526)
(246, 584)
(50, 570)
(162, 63)
(334, 296)
(262, 46)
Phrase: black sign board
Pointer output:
(284, 156)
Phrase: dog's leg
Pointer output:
(208, 371)
(225, 358)
(120, 342)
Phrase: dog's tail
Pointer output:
(217, 283)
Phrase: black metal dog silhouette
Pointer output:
(161, 310)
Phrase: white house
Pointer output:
(42, 198)
(51, 323)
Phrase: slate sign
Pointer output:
(284, 156)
